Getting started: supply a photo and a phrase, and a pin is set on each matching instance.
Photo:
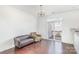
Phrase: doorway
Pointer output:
(55, 29)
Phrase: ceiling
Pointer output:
(48, 9)
(32, 9)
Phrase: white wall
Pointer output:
(76, 41)
(14, 22)
(43, 27)
(71, 20)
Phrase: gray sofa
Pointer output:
(23, 40)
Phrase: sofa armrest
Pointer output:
(17, 41)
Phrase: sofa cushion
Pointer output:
(26, 41)
(24, 37)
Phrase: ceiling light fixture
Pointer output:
(42, 11)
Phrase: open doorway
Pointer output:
(55, 29)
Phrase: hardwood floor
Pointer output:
(44, 47)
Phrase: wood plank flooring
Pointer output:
(43, 47)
